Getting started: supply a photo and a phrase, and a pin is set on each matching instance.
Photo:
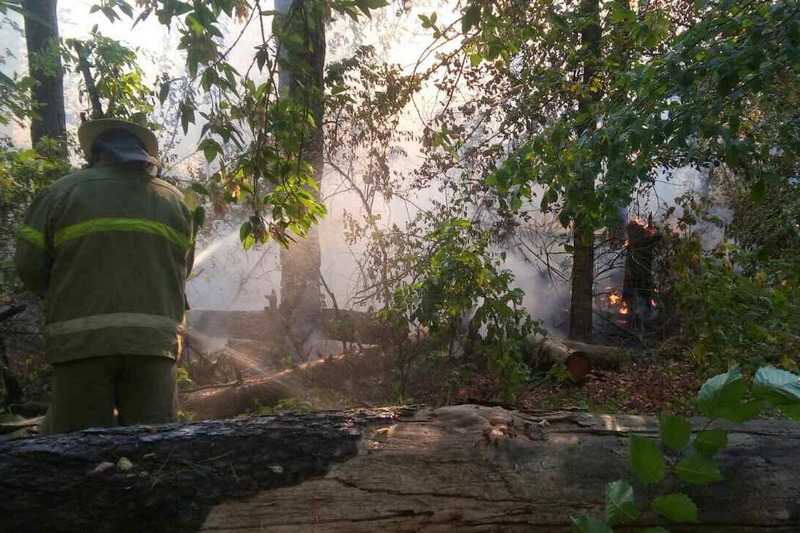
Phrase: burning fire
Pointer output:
(614, 298)
(623, 310)
(646, 224)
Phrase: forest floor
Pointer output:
(644, 386)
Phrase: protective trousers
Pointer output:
(85, 392)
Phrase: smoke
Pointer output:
(228, 277)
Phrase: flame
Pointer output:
(614, 298)
(623, 310)
(653, 303)
(626, 243)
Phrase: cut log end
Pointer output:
(578, 366)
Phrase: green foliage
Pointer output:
(23, 173)
(261, 138)
(721, 393)
(675, 431)
(721, 397)
(117, 78)
(676, 507)
(620, 503)
(458, 279)
(698, 469)
(647, 461)
(733, 305)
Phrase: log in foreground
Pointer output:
(463, 468)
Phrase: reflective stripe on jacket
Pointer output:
(107, 247)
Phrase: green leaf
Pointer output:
(587, 524)
(698, 469)
(246, 230)
(200, 188)
(710, 441)
(776, 386)
(163, 92)
(647, 461)
(375, 4)
(198, 219)
(620, 504)
(675, 431)
(677, 507)
(5, 80)
(746, 411)
(721, 393)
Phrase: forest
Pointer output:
(458, 265)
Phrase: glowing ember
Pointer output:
(653, 303)
(626, 243)
(623, 310)
(614, 298)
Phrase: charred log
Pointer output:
(465, 468)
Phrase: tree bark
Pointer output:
(580, 315)
(301, 76)
(44, 65)
(465, 468)
(578, 358)
(580, 310)
(11, 386)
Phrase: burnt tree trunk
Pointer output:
(462, 469)
(44, 65)
(580, 316)
(301, 76)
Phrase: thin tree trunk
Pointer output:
(302, 80)
(580, 327)
(44, 64)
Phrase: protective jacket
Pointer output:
(108, 248)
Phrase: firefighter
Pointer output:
(109, 249)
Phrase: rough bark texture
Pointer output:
(464, 468)
(44, 64)
(580, 316)
(577, 357)
(301, 263)
(11, 387)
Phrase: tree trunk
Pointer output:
(301, 76)
(44, 64)
(580, 311)
(465, 468)
(11, 387)
(580, 323)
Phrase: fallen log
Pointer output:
(578, 358)
(462, 469)
(226, 401)
(267, 325)
(598, 355)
